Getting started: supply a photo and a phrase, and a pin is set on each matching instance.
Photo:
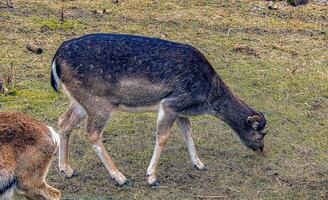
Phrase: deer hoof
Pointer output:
(203, 168)
(69, 175)
(127, 183)
(75, 174)
(154, 185)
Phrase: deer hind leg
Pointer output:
(74, 114)
(165, 120)
(185, 129)
(95, 125)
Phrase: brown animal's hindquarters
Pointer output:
(27, 147)
(165, 120)
(35, 187)
(74, 114)
(185, 129)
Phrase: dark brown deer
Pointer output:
(102, 73)
(27, 147)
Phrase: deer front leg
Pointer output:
(185, 129)
(74, 114)
(165, 120)
(95, 126)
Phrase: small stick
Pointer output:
(3, 90)
(34, 48)
(208, 197)
(62, 18)
(11, 76)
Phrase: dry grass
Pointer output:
(288, 82)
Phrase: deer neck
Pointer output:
(228, 107)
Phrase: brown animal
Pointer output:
(27, 147)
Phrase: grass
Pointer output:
(288, 82)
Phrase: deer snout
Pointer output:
(257, 145)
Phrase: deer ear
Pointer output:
(254, 121)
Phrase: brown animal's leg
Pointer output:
(165, 120)
(95, 125)
(185, 128)
(74, 114)
(42, 191)
(32, 173)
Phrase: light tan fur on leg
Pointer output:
(185, 129)
(74, 114)
(165, 120)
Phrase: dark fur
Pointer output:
(103, 60)
(94, 65)
(6, 182)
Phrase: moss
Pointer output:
(55, 24)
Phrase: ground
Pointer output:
(276, 60)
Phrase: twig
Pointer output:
(208, 197)
(11, 76)
(3, 90)
(62, 19)
(232, 189)
(229, 31)
(259, 7)
(34, 48)
(290, 16)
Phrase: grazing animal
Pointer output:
(102, 73)
(27, 147)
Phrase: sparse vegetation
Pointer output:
(288, 82)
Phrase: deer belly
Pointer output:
(139, 95)
(151, 108)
